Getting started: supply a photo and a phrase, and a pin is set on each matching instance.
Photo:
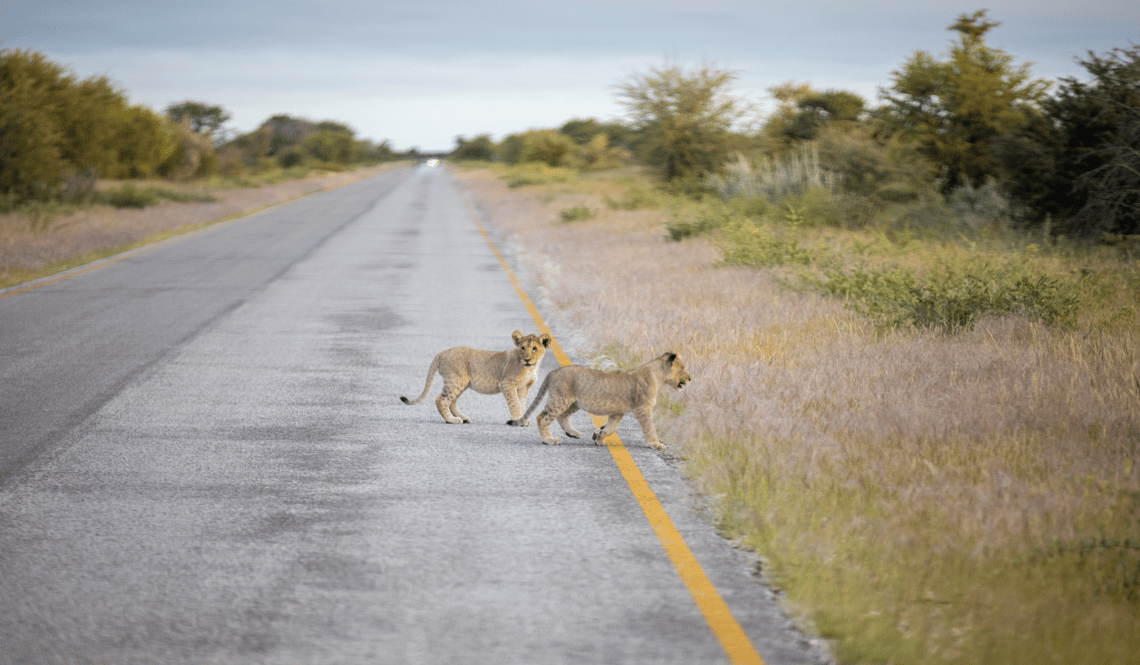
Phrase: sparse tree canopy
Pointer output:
(815, 109)
(203, 118)
(956, 107)
(685, 117)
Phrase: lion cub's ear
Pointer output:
(670, 357)
(516, 336)
(546, 339)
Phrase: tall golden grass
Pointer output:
(920, 497)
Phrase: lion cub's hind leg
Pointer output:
(448, 406)
(556, 409)
(564, 421)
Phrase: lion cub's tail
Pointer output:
(522, 422)
(432, 369)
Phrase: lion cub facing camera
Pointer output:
(610, 394)
(510, 372)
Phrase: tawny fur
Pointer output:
(510, 372)
(610, 394)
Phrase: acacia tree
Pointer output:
(816, 109)
(684, 117)
(203, 118)
(955, 108)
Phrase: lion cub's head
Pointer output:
(678, 374)
(530, 348)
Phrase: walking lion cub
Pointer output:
(510, 372)
(610, 394)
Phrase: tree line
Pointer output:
(971, 124)
(58, 133)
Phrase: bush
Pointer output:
(53, 125)
(291, 157)
(598, 155)
(537, 174)
(129, 196)
(752, 246)
(549, 147)
(578, 213)
(687, 221)
(893, 297)
(637, 198)
(979, 207)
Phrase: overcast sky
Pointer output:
(421, 72)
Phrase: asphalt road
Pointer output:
(203, 459)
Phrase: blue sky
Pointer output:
(420, 72)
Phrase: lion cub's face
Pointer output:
(531, 347)
(678, 374)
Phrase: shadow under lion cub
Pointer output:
(571, 388)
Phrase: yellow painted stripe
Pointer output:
(719, 617)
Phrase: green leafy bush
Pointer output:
(523, 175)
(687, 221)
(893, 297)
(53, 125)
(637, 198)
(579, 213)
(747, 244)
(130, 196)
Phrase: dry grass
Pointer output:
(921, 497)
(34, 245)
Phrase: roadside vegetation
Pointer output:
(78, 162)
(914, 327)
(916, 362)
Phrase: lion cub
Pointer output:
(610, 394)
(509, 372)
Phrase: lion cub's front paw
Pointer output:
(552, 441)
(656, 445)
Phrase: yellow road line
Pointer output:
(719, 617)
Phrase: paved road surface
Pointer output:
(203, 459)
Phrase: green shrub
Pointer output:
(579, 213)
(893, 297)
(747, 244)
(523, 175)
(291, 157)
(687, 221)
(129, 196)
(637, 198)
